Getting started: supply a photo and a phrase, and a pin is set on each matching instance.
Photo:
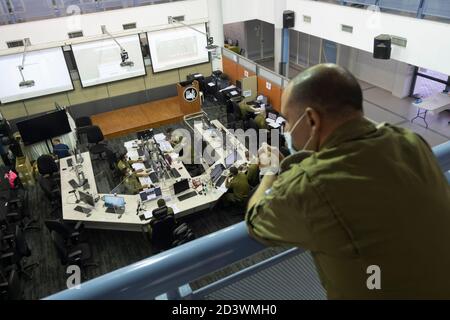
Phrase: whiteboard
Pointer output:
(178, 47)
(98, 62)
(47, 68)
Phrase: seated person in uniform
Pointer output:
(131, 177)
(60, 149)
(247, 110)
(260, 120)
(252, 170)
(238, 188)
(173, 138)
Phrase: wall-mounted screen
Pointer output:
(99, 62)
(178, 47)
(44, 127)
(47, 68)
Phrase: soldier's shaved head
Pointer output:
(328, 88)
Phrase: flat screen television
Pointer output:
(44, 127)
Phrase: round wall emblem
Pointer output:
(190, 94)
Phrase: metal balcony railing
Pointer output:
(288, 275)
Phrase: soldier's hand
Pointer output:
(269, 157)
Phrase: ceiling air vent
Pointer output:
(178, 18)
(75, 34)
(347, 28)
(129, 26)
(15, 44)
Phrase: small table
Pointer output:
(436, 104)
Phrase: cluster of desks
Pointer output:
(136, 214)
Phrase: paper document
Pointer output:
(165, 146)
(133, 154)
(148, 215)
(145, 181)
(234, 93)
(175, 208)
(160, 137)
(130, 144)
(138, 166)
(211, 84)
(229, 88)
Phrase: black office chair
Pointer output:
(11, 286)
(96, 139)
(51, 191)
(79, 254)
(16, 256)
(72, 234)
(82, 124)
(47, 166)
(181, 235)
(162, 232)
(17, 210)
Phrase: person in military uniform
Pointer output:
(260, 120)
(238, 188)
(252, 170)
(131, 177)
(247, 110)
(360, 197)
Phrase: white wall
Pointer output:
(428, 45)
(53, 32)
(391, 75)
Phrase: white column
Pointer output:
(216, 30)
(279, 7)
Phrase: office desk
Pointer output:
(435, 104)
(97, 218)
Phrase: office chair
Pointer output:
(71, 234)
(162, 232)
(183, 234)
(82, 124)
(11, 286)
(79, 254)
(96, 138)
(17, 210)
(47, 165)
(51, 191)
(16, 256)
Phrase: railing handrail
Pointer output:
(174, 268)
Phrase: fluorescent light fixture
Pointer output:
(123, 53)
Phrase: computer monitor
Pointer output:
(239, 84)
(231, 159)
(114, 202)
(181, 186)
(217, 172)
(87, 198)
(150, 194)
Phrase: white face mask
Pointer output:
(288, 136)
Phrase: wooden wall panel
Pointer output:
(273, 94)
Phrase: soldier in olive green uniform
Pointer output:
(238, 188)
(253, 171)
(246, 109)
(260, 120)
(131, 179)
(361, 196)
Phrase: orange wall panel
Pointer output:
(244, 73)
(273, 94)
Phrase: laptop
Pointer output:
(150, 194)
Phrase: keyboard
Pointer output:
(175, 173)
(74, 184)
(82, 209)
(220, 181)
(187, 196)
